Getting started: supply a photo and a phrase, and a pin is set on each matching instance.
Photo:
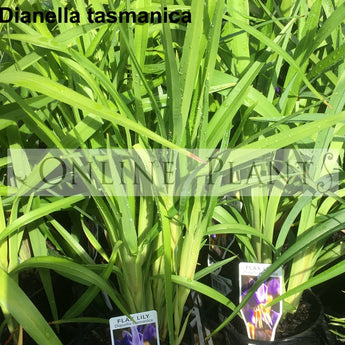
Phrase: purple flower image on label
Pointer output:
(138, 335)
(149, 332)
(137, 338)
(261, 320)
(273, 286)
(261, 294)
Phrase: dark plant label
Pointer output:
(261, 320)
(221, 284)
(140, 329)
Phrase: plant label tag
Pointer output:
(142, 331)
(261, 321)
(221, 284)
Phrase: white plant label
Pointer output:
(261, 321)
(142, 331)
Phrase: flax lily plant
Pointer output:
(301, 231)
(180, 88)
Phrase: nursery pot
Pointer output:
(314, 330)
(315, 333)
